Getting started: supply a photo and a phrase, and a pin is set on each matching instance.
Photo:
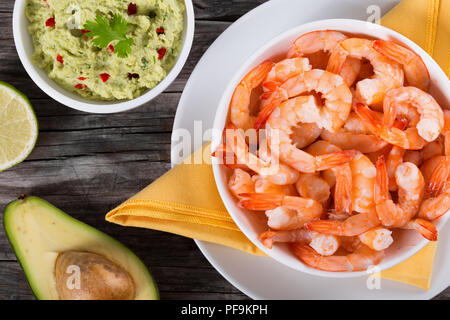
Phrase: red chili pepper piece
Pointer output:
(160, 31)
(59, 58)
(82, 78)
(132, 9)
(161, 53)
(80, 86)
(84, 31)
(133, 76)
(46, 3)
(111, 48)
(104, 77)
(50, 22)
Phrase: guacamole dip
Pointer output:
(67, 52)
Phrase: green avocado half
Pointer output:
(41, 234)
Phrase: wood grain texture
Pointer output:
(87, 164)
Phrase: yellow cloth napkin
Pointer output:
(185, 200)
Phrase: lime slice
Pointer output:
(18, 126)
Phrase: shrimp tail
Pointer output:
(383, 207)
(336, 60)
(439, 177)
(424, 227)
(325, 227)
(381, 189)
(267, 238)
(306, 254)
(406, 57)
(275, 99)
(368, 117)
(361, 259)
(390, 112)
(343, 189)
(269, 85)
(260, 201)
(228, 158)
(257, 75)
(390, 49)
(334, 159)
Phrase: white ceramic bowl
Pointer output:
(25, 50)
(407, 242)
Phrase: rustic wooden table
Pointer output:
(87, 164)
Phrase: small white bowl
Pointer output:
(25, 50)
(407, 242)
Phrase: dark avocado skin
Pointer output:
(15, 208)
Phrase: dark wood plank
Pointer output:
(223, 10)
(217, 10)
(173, 283)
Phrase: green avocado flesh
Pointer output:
(39, 232)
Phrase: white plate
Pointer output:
(262, 277)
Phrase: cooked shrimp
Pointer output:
(438, 188)
(431, 116)
(411, 186)
(339, 176)
(406, 139)
(354, 135)
(387, 74)
(446, 132)
(283, 218)
(394, 159)
(440, 169)
(311, 185)
(263, 185)
(276, 173)
(440, 176)
(436, 172)
(363, 178)
(228, 157)
(240, 101)
(360, 260)
(241, 182)
(326, 41)
(304, 134)
(315, 41)
(435, 207)
(268, 238)
(427, 168)
(378, 238)
(432, 149)
(284, 70)
(352, 226)
(336, 94)
(279, 129)
(319, 148)
(424, 227)
(416, 72)
(305, 209)
(323, 244)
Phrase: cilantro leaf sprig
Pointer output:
(105, 32)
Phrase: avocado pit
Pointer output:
(89, 276)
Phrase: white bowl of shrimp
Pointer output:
(355, 169)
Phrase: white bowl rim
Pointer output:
(98, 106)
(325, 24)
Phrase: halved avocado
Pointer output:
(48, 244)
